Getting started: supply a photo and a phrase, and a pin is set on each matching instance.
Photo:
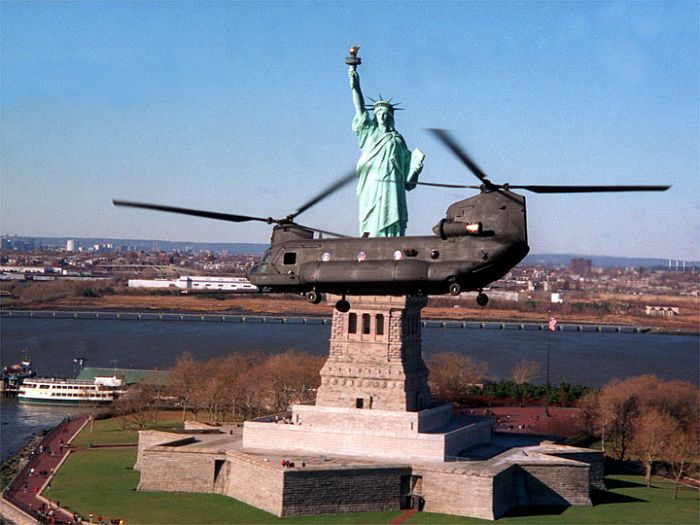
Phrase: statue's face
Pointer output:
(384, 118)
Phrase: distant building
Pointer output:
(71, 245)
(196, 283)
(582, 267)
(661, 311)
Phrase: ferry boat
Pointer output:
(102, 390)
(12, 376)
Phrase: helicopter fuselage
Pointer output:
(479, 241)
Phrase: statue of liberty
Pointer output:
(386, 169)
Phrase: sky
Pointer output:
(245, 107)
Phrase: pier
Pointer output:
(311, 320)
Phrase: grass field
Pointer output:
(102, 481)
(111, 431)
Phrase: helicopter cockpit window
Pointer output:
(290, 258)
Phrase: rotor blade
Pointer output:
(197, 213)
(587, 189)
(448, 141)
(325, 193)
(440, 185)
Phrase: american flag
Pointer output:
(552, 324)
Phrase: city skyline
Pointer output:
(245, 108)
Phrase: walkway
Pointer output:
(25, 492)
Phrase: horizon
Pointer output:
(690, 262)
(244, 107)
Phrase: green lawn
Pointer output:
(102, 481)
(111, 431)
(628, 500)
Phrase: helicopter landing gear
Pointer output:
(343, 306)
(313, 297)
(482, 299)
(455, 289)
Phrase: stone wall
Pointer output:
(375, 356)
(151, 438)
(468, 436)
(397, 446)
(168, 469)
(383, 420)
(342, 490)
(256, 482)
(556, 484)
(505, 490)
(464, 494)
(594, 459)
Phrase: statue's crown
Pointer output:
(381, 103)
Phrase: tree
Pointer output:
(291, 377)
(452, 374)
(184, 379)
(653, 436)
(136, 404)
(683, 450)
(524, 371)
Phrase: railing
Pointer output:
(310, 320)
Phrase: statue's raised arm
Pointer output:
(386, 168)
(357, 97)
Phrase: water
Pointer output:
(20, 421)
(589, 358)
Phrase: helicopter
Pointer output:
(478, 241)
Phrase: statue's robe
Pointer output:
(383, 169)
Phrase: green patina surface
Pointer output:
(386, 168)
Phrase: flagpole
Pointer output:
(551, 327)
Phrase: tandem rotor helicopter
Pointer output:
(477, 242)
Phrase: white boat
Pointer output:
(70, 391)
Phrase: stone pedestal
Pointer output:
(374, 400)
(375, 360)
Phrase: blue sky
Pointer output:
(244, 107)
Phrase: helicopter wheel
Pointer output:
(313, 297)
(342, 306)
(455, 289)
(482, 299)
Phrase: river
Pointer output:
(590, 358)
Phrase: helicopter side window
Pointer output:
(290, 258)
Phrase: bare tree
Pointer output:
(185, 378)
(524, 371)
(653, 435)
(683, 450)
(135, 406)
(452, 374)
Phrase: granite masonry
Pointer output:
(372, 442)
